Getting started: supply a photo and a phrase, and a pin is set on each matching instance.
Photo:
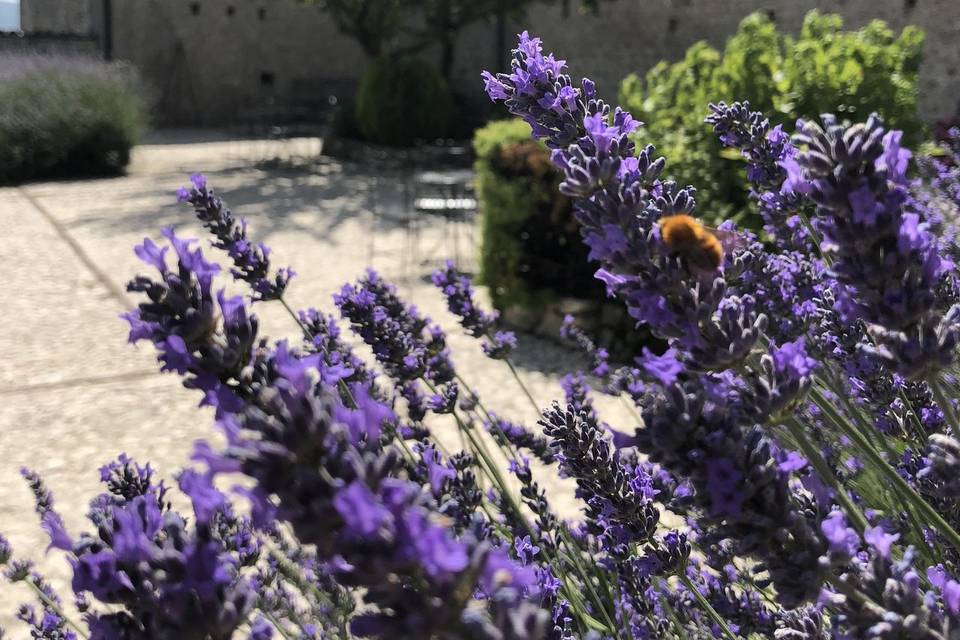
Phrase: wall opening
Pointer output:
(9, 15)
(195, 8)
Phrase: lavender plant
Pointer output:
(789, 471)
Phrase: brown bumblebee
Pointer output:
(702, 247)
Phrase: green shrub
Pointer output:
(66, 117)
(530, 249)
(825, 69)
(402, 100)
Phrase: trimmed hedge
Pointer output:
(66, 117)
(403, 100)
(530, 251)
(825, 69)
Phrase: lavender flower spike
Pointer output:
(619, 201)
(885, 257)
(251, 261)
(458, 290)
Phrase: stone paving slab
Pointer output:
(61, 322)
(75, 394)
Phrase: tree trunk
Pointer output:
(448, 52)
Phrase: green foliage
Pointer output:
(530, 242)
(862, 71)
(825, 69)
(402, 100)
(62, 117)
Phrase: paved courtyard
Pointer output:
(74, 393)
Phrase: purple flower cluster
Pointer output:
(618, 499)
(619, 200)
(699, 426)
(458, 290)
(51, 623)
(772, 169)
(153, 575)
(884, 256)
(251, 261)
(409, 348)
(317, 463)
(831, 339)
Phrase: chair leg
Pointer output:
(456, 243)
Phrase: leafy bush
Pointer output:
(530, 246)
(401, 100)
(65, 116)
(825, 69)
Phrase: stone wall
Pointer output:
(50, 44)
(218, 61)
(65, 17)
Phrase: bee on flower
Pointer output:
(703, 248)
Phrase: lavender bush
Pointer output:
(67, 116)
(800, 428)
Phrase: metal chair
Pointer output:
(434, 184)
(449, 197)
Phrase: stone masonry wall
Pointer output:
(65, 17)
(214, 61)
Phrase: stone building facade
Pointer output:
(213, 61)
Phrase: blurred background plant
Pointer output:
(401, 100)
(67, 116)
(824, 69)
(530, 249)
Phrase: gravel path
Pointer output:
(74, 393)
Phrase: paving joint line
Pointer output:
(113, 289)
(77, 382)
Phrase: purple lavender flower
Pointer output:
(405, 343)
(346, 503)
(772, 170)
(180, 317)
(261, 629)
(159, 579)
(251, 261)
(619, 202)
(324, 338)
(885, 258)
(614, 502)
(317, 463)
(458, 290)
(599, 357)
(842, 540)
(764, 148)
